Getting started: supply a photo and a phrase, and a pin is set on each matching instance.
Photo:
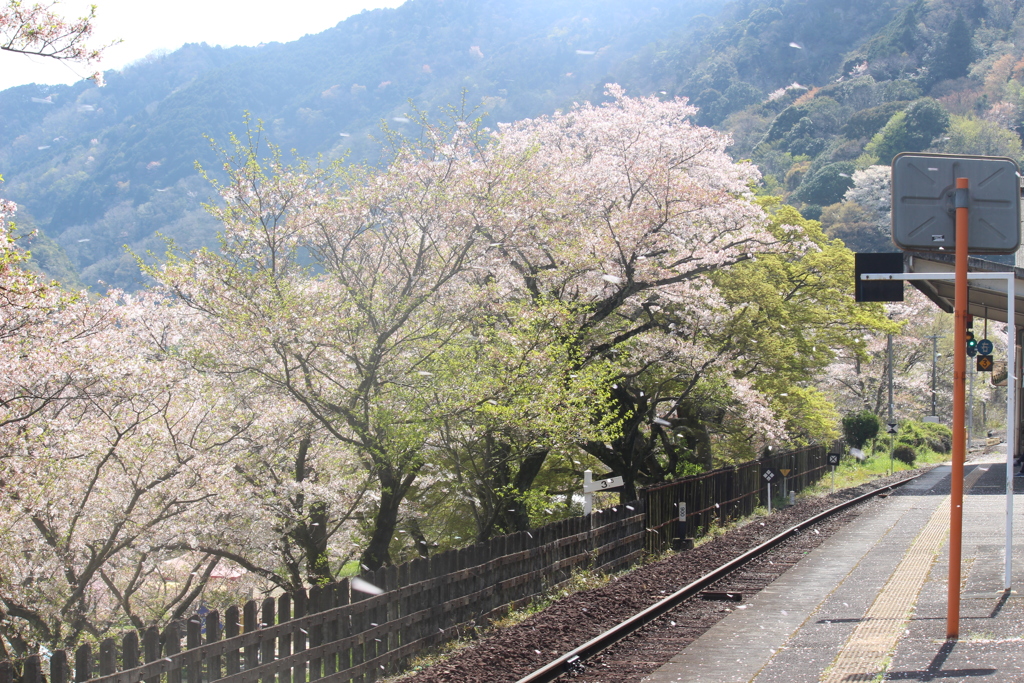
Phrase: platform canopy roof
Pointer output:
(987, 298)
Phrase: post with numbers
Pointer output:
(590, 486)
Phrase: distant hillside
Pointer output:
(814, 91)
(100, 168)
(821, 94)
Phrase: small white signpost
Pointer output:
(770, 474)
(590, 486)
(833, 460)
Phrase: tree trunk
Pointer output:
(393, 488)
(312, 538)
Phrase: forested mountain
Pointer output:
(99, 168)
(812, 90)
(868, 81)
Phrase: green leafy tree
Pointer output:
(792, 312)
(859, 428)
(527, 401)
(828, 184)
(977, 137)
(911, 130)
(866, 122)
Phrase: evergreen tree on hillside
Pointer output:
(901, 35)
(954, 53)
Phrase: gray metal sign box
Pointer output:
(923, 202)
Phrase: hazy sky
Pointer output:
(148, 25)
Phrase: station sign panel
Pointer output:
(924, 202)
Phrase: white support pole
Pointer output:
(1011, 385)
(588, 497)
(1011, 423)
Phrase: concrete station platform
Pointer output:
(869, 604)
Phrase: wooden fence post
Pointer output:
(344, 623)
(330, 662)
(129, 650)
(59, 669)
(249, 621)
(417, 601)
(300, 637)
(359, 622)
(150, 650)
(316, 633)
(379, 616)
(194, 639)
(108, 657)
(267, 645)
(232, 658)
(32, 671)
(392, 612)
(213, 628)
(403, 606)
(83, 663)
(172, 646)
(284, 642)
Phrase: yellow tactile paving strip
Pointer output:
(864, 654)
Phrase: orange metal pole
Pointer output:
(956, 492)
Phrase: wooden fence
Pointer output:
(728, 493)
(338, 634)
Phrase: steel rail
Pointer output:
(571, 660)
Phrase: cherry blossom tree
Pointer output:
(105, 460)
(631, 207)
(38, 30)
(872, 189)
(438, 321)
(604, 210)
(295, 493)
(858, 379)
(128, 478)
(350, 339)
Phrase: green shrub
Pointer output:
(859, 428)
(905, 453)
(940, 437)
(935, 437)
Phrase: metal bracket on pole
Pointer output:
(960, 199)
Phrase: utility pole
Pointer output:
(888, 353)
(935, 355)
(892, 443)
(970, 408)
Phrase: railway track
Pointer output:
(572, 661)
(629, 627)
